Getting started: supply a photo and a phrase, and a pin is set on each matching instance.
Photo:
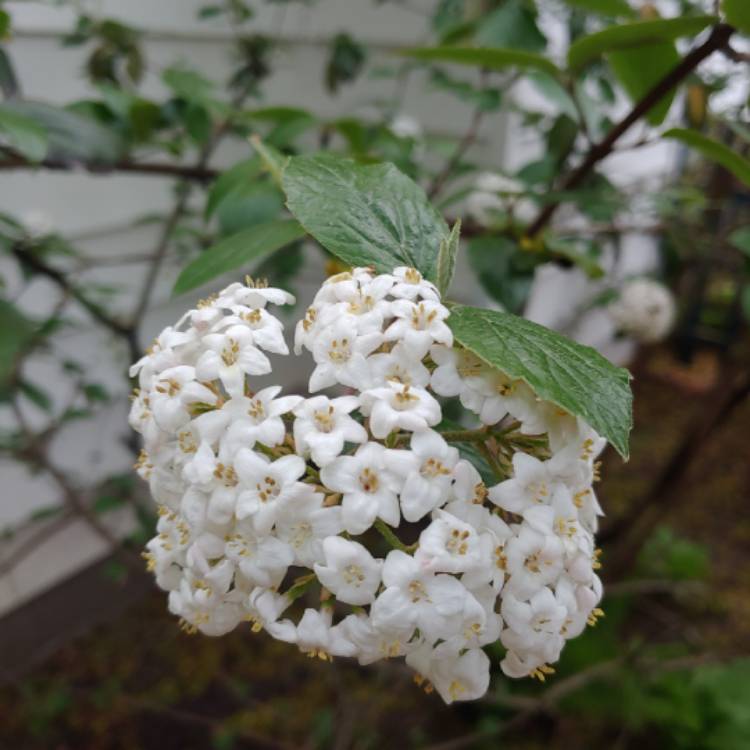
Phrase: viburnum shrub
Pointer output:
(359, 499)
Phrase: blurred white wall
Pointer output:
(82, 205)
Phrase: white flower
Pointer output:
(262, 560)
(323, 425)
(350, 571)
(266, 486)
(370, 482)
(263, 608)
(406, 126)
(316, 637)
(372, 644)
(400, 365)
(410, 285)
(532, 561)
(229, 356)
(427, 485)
(532, 484)
(268, 330)
(252, 295)
(645, 309)
(415, 597)
(449, 545)
(419, 325)
(164, 352)
(456, 678)
(398, 406)
(454, 366)
(173, 391)
(340, 356)
(304, 522)
(245, 420)
(534, 621)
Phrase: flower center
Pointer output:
(186, 441)
(420, 318)
(230, 352)
(301, 533)
(311, 315)
(324, 419)
(256, 410)
(433, 468)
(171, 387)
(226, 475)
(368, 480)
(404, 399)
(412, 276)
(339, 351)
(417, 592)
(353, 574)
(457, 543)
(268, 489)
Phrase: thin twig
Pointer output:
(197, 173)
(34, 263)
(717, 40)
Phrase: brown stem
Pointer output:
(197, 173)
(33, 262)
(717, 40)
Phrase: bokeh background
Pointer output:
(92, 243)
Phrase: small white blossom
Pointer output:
(350, 571)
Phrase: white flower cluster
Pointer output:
(645, 309)
(262, 498)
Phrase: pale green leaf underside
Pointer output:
(485, 57)
(447, 258)
(732, 160)
(632, 35)
(236, 251)
(365, 215)
(575, 377)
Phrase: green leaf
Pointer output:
(740, 238)
(72, 136)
(255, 203)
(640, 69)
(504, 271)
(274, 162)
(16, 333)
(8, 80)
(575, 377)
(231, 181)
(188, 84)
(611, 8)
(737, 13)
(738, 165)
(23, 134)
(512, 25)
(346, 57)
(446, 262)
(365, 215)
(237, 250)
(631, 35)
(492, 59)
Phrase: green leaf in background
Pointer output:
(512, 25)
(582, 253)
(72, 137)
(286, 123)
(346, 59)
(640, 69)
(504, 271)
(231, 181)
(635, 34)
(492, 59)
(23, 134)
(737, 13)
(738, 165)
(8, 80)
(188, 84)
(575, 377)
(740, 238)
(255, 203)
(611, 8)
(273, 161)
(365, 215)
(237, 250)
(446, 263)
(16, 332)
